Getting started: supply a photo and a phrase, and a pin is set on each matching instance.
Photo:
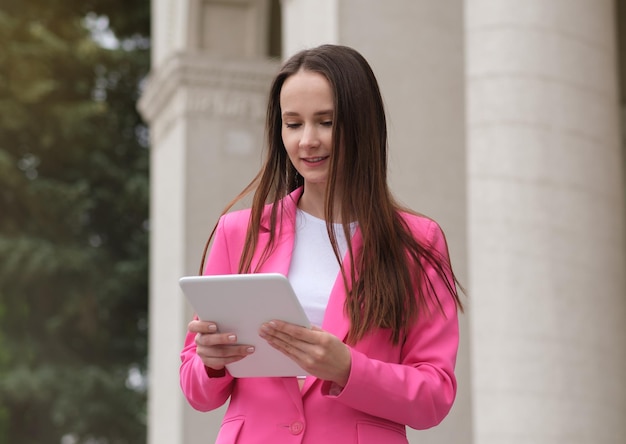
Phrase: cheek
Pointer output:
(285, 136)
(326, 137)
(290, 142)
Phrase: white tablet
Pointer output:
(240, 303)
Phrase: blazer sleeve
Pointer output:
(419, 390)
(202, 391)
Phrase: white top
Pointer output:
(314, 267)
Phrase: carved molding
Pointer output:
(227, 103)
(196, 83)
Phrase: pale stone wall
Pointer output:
(526, 180)
(309, 23)
(546, 225)
(205, 103)
(207, 119)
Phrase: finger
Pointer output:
(197, 326)
(218, 362)
(286, 331)
(215, 339)
(225, 352)
(289, 349)
(286, 344)
(272, 335)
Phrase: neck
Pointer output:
(313, 202)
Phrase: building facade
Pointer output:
(505, 123)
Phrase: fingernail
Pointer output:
(272, 323)
(232, 338)
(250, 349)
(212, 328)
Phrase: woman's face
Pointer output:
(307, 110)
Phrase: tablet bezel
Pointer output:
(240, 303)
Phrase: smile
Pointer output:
(315, 159)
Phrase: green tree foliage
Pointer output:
(73, 223)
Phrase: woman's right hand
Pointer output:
(217, 349)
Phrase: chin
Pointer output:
(315, 181)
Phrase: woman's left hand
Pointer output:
(318, 352)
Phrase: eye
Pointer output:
(328, 123)
(292, 125)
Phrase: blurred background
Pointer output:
(506, 124)
(73, 221)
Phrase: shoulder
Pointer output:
(286, 207)
(239, 219)
(425, 229)
(235, 218)
(232, 226)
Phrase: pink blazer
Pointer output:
(389, 387)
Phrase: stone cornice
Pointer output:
(208, 84)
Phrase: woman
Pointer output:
(374, 276)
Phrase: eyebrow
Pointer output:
(318, 113)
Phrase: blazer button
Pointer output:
(296, 427)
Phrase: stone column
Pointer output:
(416, 50)
(308, 23)
(205, 102)
(546, 222)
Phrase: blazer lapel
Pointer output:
(335, 319)
(280, 258)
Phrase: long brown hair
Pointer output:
(387, 285)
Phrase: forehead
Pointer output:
(306, 87)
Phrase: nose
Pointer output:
(310, 137)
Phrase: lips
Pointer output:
(315, 159)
